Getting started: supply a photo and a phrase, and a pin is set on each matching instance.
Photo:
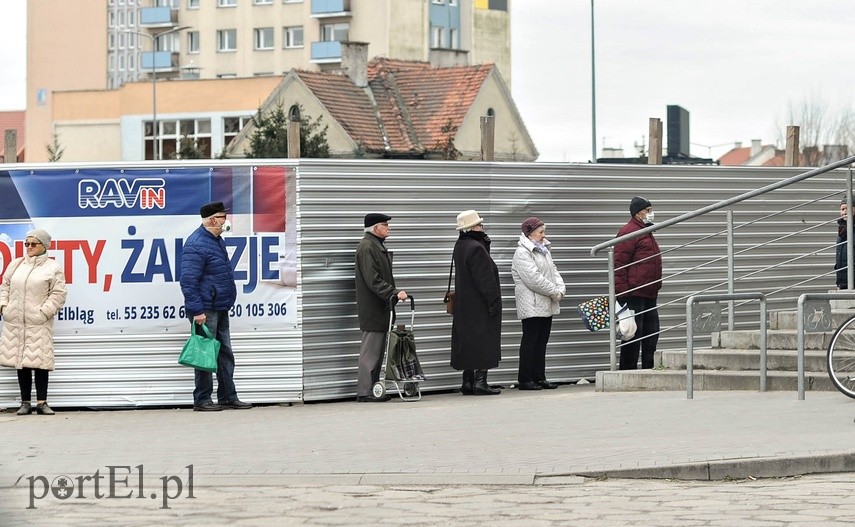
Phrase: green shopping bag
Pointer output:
(199, 351)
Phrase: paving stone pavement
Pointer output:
(445, 460)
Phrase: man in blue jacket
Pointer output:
(208, 285)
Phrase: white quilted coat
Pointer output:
(538, 287)
(32, 292)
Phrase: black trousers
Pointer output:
(533, 349)
(25, 382)
(646, 337)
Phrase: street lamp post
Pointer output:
(593, 93)
(154, 127)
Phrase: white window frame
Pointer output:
(452, 2)
(192, 4)
(437, 37)
(438, 1)
(192, 42)
(289, 37)
(260, 38)
(454, 38)
(226, 3)
(226, 37)
(335, 29)
(262, 2)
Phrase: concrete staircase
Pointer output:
(733, 361)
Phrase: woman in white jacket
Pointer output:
(32, 292)
(538, 288)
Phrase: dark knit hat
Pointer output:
(374, 218)
(530, 225)
(638, 203)
(209, 209)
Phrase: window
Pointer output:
(232, 127)
(192, 42)
(226, 3)
(192, 4)
(438, 1)
(172, 131)
(132, 62)
(452, 2)
(263, 37)
(121, 62)
(121, 18)
(453, 36)
(262, 2)
(292, 1)
(111, 41)
(437, 37)
(123, 37)
(334, 32)
(227, 40)
(112, 19)
(292, 37)
(227, 75)
(132, 20)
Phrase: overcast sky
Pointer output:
(735, 65)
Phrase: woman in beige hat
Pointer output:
(32, 292)
(476, 331)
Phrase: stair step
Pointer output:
(789, 319)
(744, 359)
(707, 380)
(781, 339)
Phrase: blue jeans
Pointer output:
(218, 324)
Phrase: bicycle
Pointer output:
(841, 358)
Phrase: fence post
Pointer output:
(791, 154)
(654, 154)
(612, 298)
(850, 270)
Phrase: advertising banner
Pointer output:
(118, 235)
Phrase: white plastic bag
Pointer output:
(626, 322)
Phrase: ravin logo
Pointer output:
(122, 193)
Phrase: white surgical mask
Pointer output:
(649, 217)
(227, 226)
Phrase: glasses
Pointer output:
(31, 244)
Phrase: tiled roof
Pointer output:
(348, 104)
(11, 121)
(414, 102)
(735, 157)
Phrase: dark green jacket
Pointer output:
(374, 284)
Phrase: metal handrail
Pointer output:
(690, 304)
(722, 204)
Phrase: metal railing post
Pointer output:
(690, 363)
(690, 303)
(800, 338)
(850, 243)
(730, 270)
(612, 297)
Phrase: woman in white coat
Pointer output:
(538, 288)
(31, 293)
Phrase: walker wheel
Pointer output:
(411, 389)
(378, 390)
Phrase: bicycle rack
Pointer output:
(801, 330)
(690, 304)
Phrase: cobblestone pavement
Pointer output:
(816, 501)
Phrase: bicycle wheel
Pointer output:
(841, 358)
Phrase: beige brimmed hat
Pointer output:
(468, 219)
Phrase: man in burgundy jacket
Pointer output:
(638, 278)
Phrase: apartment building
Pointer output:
(103, 44)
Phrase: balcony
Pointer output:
(164, 61)
(326, 52)
(330, 8)
(158, 17)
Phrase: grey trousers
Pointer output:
(370, 359)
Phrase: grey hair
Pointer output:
(370, 229)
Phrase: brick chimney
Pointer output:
(354, 62)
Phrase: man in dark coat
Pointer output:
(841, 256)
(208, 285)
(375, 285)
(476, 330)
(638, 278)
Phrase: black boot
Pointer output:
(468, 382)
(481, 387)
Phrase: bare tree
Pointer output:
(826, 134)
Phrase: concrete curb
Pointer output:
(761, 467)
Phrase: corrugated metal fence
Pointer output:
(582, 205)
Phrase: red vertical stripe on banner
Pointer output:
(268, 199)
